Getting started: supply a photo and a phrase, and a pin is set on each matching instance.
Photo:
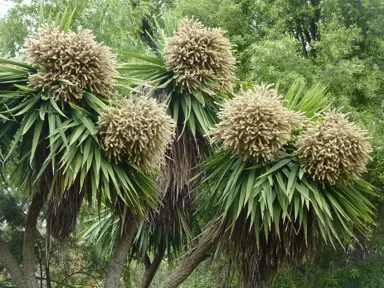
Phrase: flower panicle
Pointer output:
(335, 150)
(200, 56)
(137, 131)
(255, 124)
(71, 63)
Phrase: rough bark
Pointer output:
(208, 239)
(29, 264)
(11, 265)
(120, 254)
(151, 268)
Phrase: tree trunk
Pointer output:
(29, 265)
(120, 255)
(13, 268)
(151, 268)
(25, 277)
(208, 239)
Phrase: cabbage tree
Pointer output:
(54, 106)
(192, 72)
(288, 172)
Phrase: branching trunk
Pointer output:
(29, 264)
(151, 268)
(208, 239)
(120, 254)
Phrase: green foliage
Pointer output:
(116, 23)
(272, 58)
(333, 42)
(12, 221)
(341, 268)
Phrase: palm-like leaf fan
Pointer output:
(270, 207)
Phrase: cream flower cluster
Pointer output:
(198, 56)
(137, 131)
(335, 150)
(70, 63)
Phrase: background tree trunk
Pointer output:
(120, 254)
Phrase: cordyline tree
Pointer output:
(75, 133)
(193, 69)
(286, 169)
(284, 176)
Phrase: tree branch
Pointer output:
(208, 239)
(151, 269)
